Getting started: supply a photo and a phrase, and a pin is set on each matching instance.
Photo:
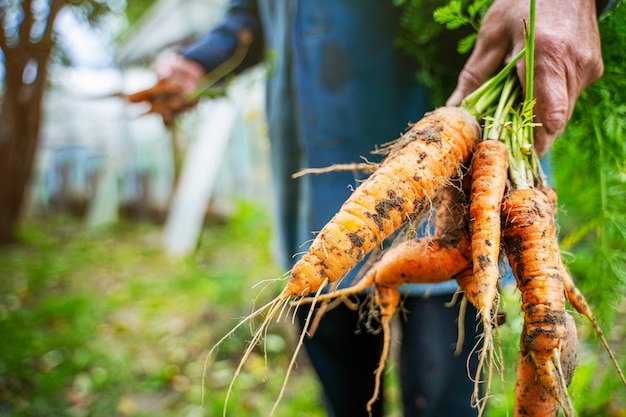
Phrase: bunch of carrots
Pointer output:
(476, 168)
(492, 204)
(498, 209)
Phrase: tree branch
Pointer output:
(3, 35)
(27, 24)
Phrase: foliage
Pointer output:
(434, 46)
(453, 15)
(133, 13)
(590, 177)
(101, 322)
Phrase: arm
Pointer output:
(221, 42)
(187, 67)
(568, 57)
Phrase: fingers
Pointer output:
(491, 52)
(484, 61)
(182, 71)
(567, 58)
(563, 69)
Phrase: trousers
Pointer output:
(434, 381)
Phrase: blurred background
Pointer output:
(129, 248)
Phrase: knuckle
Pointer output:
(470, 79)
(554, 120)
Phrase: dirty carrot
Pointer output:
(489, 174)
(451, 214)
(530, 241)
(578, 301)
(426, 157)
(531, 398)
(426, 260)
(576, 298)
(488, 182)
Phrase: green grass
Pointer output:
(102, 323)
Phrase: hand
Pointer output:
(567, 57)
(183, 72)
(178, 78)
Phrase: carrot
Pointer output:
(530, 241)
(426, 261)
(576, 298)
(403, 188)
(387, 300)
(423, 260)
(531, 398)
(451, 215)
(489, 174)
(488, 182)
(428, 157)
(578, 301)
(165, 98)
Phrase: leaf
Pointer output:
(467, 43)
(450, 15)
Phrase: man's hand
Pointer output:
(183, 72)
(178, 79)
(567, 57)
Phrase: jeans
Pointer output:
(434, 381)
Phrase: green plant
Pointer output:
(102, 322)
(590, 177)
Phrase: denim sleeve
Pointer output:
(219, 44)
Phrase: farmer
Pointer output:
(337, 88)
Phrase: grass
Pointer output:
(102, 323)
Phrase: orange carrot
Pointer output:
(426, 159)
(423, 260)
(531, 398)
(387, 300)
(578, 301)
(532, 249)
(165, 98)
(488, 182)
(431, 153)
(576, 298)
(489, 174)
(451, 215)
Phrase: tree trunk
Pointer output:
(20, 114)
(19, 139)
